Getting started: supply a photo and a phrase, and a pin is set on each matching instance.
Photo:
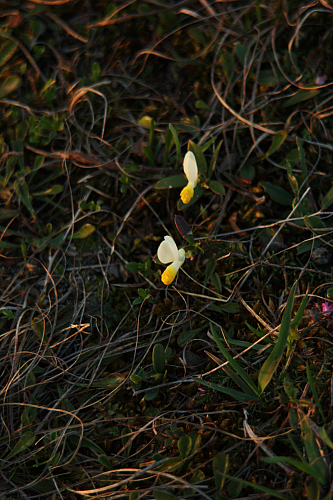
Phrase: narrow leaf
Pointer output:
(233, 363)
(277, 142)
(302, 466)
(314, 391)
(9, 85)
(159, 358)
(84, 232)
(164, 495)
(177, 143)
(220, 467)
(327, 200)
(27, 439)
(7, 50)
(302, 158)
(239, 396)
(86, 443)
(264, 489)
(300, 96)
(214, 160)
(185, 446)
(270, 365)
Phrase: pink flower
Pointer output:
(326, 308)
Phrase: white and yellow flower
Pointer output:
(168, 252)
(191, 172)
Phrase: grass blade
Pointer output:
(236, 366)
(270, 365)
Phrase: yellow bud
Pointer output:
(187, 194)
(169, 275)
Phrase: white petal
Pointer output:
(181, 256)
(190, 168)
(167, 251)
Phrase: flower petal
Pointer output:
(190, 168)
(167, 251)
(187, 193)
(181, 256)
(169, 275)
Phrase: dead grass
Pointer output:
(113, 385)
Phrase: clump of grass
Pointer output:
(216, 386)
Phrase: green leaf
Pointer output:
(164, 495)
(277, 142)
(228, 65)
(311, 446)
(270, 365)
(151, 393)
(126, 434)
(184, 337)
(314, 222)
(103, 460)
(109, 382)
(21, 131)
(213, 160)
(210, 268)
(292, 179)
(302, 466)
(241, 50)
(174, 181)
(6, 244)
(216, 187)
(307, 246)
(38, 327)
(215, 279)
(29, 414)
(7, 50)
(314, 391)
(239, 396)
(56, 189)
(86, 443)
(170, 465)
(159, 358)
(277, 193)
(300, 96)
(220, 468)
(312, 488)
(231, 307)
(7, 213)
(298, 317)
(27, 439)
(177, 143)
(84, 232)
(185, 446)
(302, 158)
(233, 363)
(327, 200)
(264, 489)
(22, 192)
(10, 84)
(168, 143)
(268, 78)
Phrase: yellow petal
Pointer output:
(169, 275)
(187, 194)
